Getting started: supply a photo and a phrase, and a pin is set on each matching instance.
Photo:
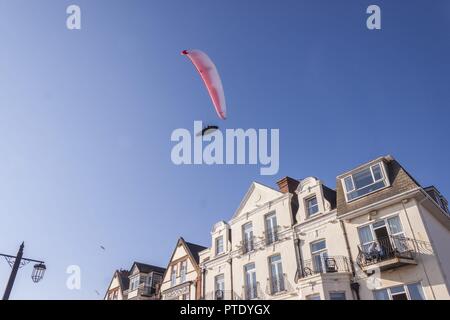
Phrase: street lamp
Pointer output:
(16, 263)
(38, 272)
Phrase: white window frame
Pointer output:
(307, 200)
(219, 285)
(248, 274)
(133, 280)
(272, 230)
(384, 178)
(183, 271)
(386, 225)
(219, 238)
(250, 244)
(405, 290)
(173, 276)
(276, 277)
(322, 253)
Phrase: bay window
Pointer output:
(134, 283)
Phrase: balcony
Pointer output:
(387, 253)
(279, 285)
(248, 245)
(146, 290)
(271, 236)
(335, 264)
(253, 292)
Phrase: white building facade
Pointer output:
(183, 280)
(378, 235)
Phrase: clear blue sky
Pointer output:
(86, 116)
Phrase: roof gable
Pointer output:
(183, 248)
(256, 196)
(119, 280)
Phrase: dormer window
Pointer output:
(219, 245)
(366, 181)
(134, 283)
(312, 206)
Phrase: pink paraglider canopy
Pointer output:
(211, 78)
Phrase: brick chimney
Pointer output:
(288, 185)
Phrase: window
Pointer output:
(114, 295)
(383, 237)
(364, 182)
(444, 205)
(276, 274)
(315, 296)
(219, 287)
(149, 284)
(271, 228)
(312, 206)
(412, 291)
(248, 237)
(183, 271)
(134, 283)
(250, 282)
(319, 256)
(415, 291)
(185, 296)
(173, 276)
(337, 296)
(219, 245)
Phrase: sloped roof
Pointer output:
(195, 250)
(123, 279)
(147, 268)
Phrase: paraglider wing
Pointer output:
(211, 78)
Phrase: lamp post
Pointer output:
(16, 263)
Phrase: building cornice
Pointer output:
(379, 204)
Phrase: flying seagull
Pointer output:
(207, 130)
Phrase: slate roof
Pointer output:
(147, 268)
(195, 249)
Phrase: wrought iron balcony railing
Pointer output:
(279, 284)
(248, 245)
(146, 290)
(384, 249)
(253, 292)
(322, 265)
(271, 236)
